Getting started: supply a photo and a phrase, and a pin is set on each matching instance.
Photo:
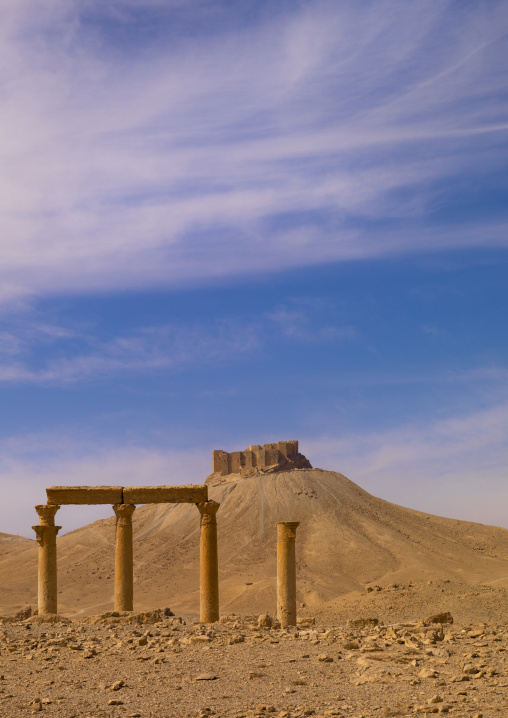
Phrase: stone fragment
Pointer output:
(398, 710)
(264, 621)
(237, 638)
(426, 709)
(480, 674)
(199, 640)
(206, 677)
(440, 618)
(368, 677)
(24, 613)
(427, 673)
(363, 622)
(324, 658)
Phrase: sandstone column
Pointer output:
(46, 533)
(209, 563)
(286, 572)
(124, 568)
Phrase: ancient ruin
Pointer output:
(123, 501)
(257, 459)
(286, 572)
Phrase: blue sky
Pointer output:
(225, 223)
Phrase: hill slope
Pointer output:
(347, 539)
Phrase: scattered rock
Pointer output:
(439, 618)
(363, 622)
(427, 673)
(265, 621)
(206, 677)
(47, 618)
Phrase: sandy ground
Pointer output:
(179, 667)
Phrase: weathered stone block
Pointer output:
(190, 494)
(84, 495)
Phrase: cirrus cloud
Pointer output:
(317, 132)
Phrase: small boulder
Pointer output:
(363, 622)
(439, 618)
(265, 621)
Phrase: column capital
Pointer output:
(46, 514)
(208, 510)
(286, 530)
(43, 532)
(123, 512)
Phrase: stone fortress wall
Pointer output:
(280, 456)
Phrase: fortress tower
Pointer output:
(257, 459)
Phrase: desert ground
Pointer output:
(122, 666)
(400, 612)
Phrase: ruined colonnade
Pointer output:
(124, 502)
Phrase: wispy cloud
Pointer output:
(147, 349)
(455, 467)
(302, 321)
(130, 161)
(38, 352)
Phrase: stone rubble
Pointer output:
(120, 665)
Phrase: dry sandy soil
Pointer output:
(234, 668)
(357, 556)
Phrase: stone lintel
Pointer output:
(190, 494)
(85, 495)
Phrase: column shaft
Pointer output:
(124, 564)
(46, 532)
(286, 572)
(209, 563)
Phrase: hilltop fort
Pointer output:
(257, 459)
